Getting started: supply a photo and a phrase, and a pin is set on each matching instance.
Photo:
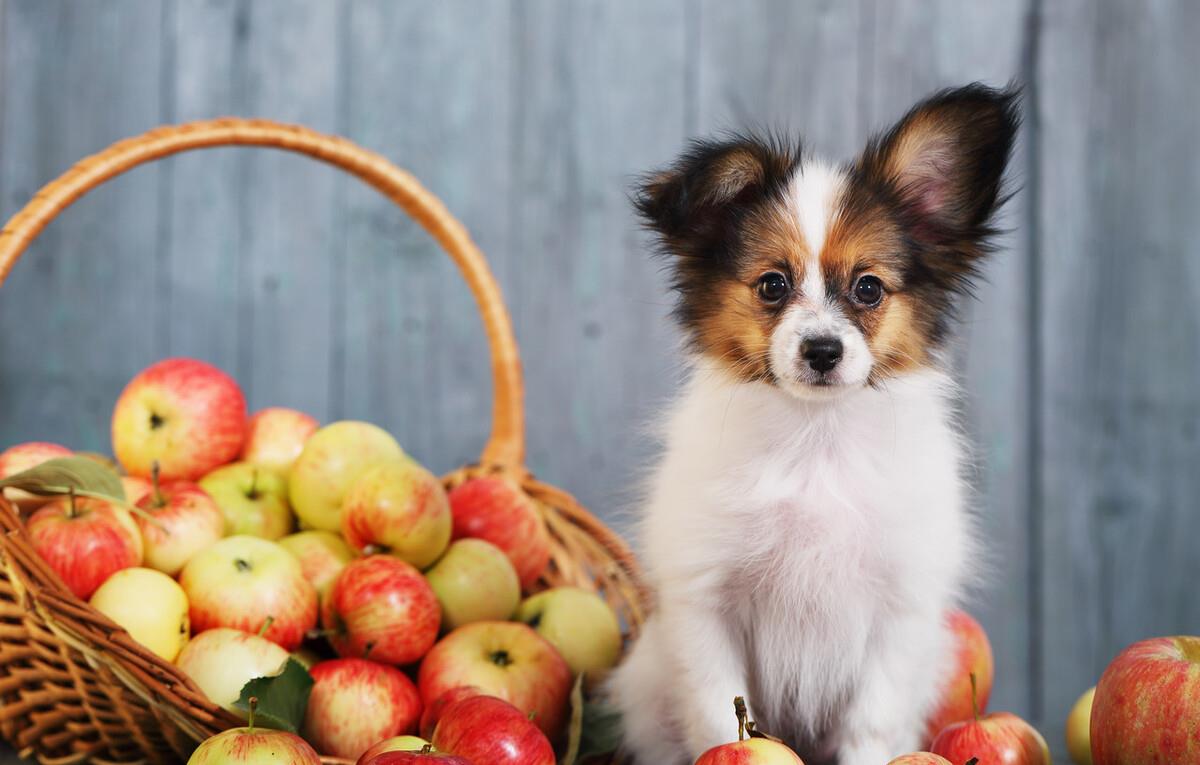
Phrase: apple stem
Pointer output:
(739, 709)
(159, 501)
(253, 493)
(974, 697)
(253, 702)
(367, 649)
(266, 625)
(72, 511)
(973, 761)
(427, 749)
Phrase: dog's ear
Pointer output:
(700, 193)
(945, 159)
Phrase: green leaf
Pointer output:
(62, 475)
(575, 728)
(282, 698)
(600, 732)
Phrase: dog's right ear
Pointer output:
(696, 197)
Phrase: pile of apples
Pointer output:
(403, 601)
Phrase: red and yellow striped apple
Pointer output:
(356, 703)
(381, 607)
(497, 510)
(398, 508)
(322, 556)
(243, 582)
(254, 746)
(505, 659)
(184, 414)
(22, 457)
(332, 461)
(433, 709)
(1147, 704)
(180, 521)
(221, 661)
(921, 758)
(999, 737)
(485, 729)
(973, 656)
(275, 437)
(85, 541)
(394, 744)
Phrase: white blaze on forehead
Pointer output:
(812, 199)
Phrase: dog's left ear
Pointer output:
(945, 159)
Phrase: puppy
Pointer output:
(806, 528)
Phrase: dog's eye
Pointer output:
(772, 287)
(868, 290)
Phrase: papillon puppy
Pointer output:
(806, 530)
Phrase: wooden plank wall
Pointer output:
(530, 118)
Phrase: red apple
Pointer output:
(355, 703)
(921, 758)
(186, 415)
(485, 729)
(242, 582)
(407, 744)
(398, 508)
(498, 511)
(504, 659)
(748, 751)
(433, 710)
(322, 556)
(382, 607)
(999, 737)
(181, 520)
(85, 541)
(22, 457)
(973, 656)
(275, 437)
(1147, 705)
(412, 757)
(254, 746)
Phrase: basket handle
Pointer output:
(506, 444)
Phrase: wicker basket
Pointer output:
(73, 685)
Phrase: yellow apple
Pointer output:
(579, 624)
(252, 498)
(150, 605)
(332, 460)
(322, 556)
(474, 582)
(1079, 734)
(221, 661)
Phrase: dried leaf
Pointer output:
(575, 728)
(62, 475)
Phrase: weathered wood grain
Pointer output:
(1118, 246)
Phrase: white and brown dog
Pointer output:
(807, 529)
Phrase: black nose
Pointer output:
(822, 353)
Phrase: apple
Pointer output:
(355, 703)
(973, 656)
(497, 510)
(1146, 705)
(381, 606)
(150, 605)
(398, 508)
(423, 756)
(180, 520)
(921, 758)
(433, 710)
(748, 751)
(332, 461)
(393, 744)
(579, 624)
(254, 746)
(505, 659)
(22, 457)
(322, 556)
(135, 488)
(474, 582)
(485, 729)
(999, 737)
(250, 584)
(221, 661)
(184, 414)
(275, 437)
(1079, 735)
(85, 541)
(253, 499)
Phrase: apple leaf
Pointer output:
(63, 475)
(600, 730)
(575, 729)
(282, 698)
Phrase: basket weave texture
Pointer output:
(76, 687)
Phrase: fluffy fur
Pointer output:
(806, 529)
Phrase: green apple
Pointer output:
(332, 460)
(1079, 734)
(475, 582)
(150, 605)
(252, 498)
(579, 624)
(322, 556)
(222, 660)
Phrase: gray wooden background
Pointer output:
(1080, 356)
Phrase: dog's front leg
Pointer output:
(885, 718)
(712, 670)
